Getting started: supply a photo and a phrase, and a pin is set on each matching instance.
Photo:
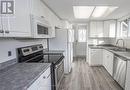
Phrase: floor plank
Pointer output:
(84, 77)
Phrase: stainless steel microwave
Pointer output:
(40, 27)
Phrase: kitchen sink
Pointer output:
(119, 49)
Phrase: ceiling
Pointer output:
(64, 9)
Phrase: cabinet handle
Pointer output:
(42, 17)
(1, 31)
(6, 31)
(45, 77)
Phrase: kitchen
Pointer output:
(64, 45)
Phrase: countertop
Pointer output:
(21, 75)
(125, 54)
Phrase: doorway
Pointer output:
(80, 41)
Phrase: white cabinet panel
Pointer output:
(109, 28)
(106, 29)
(18, 25)
(103, 28)
(127, 85)
(37, 8)
(108, 58)
(1, 28)
(96, 29)
(43, 82)
(95, 57)
(100, 28)
(93, 31)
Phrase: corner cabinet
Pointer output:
(43, 82)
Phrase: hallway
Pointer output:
(84, 77)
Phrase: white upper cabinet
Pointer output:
(37, 8)
(96, 29)
(19, 24)
(1, 28)
(102, 28)
(109, 28)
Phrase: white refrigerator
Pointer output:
(64, 41)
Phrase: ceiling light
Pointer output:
(110, 10)
(99, 11)
(83, 12)
(103, 11)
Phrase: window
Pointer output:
(124, 28)
(82, 35)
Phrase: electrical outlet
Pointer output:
(9, 53)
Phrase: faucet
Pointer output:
(117, 42)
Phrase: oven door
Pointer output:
(59, 73)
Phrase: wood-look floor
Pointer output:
(84, 77)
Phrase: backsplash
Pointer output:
(101, 41)
(10, 45)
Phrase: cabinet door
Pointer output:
(106, 29)
(127, 85)
(37, 8)
(109, 28)
(112, 29)
(45, 80)
(1, 28)
(6, 26)
(93, 31)
(95, 57)
(99, 28)
(108, 61)
(96, 29)
(19, 23)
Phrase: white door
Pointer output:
(80, 42)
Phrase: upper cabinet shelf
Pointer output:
(102, 29)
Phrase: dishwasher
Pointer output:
(119, 70)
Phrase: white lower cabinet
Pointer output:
(108, 58)
(43, 82)
(95, 57)
(127, 84)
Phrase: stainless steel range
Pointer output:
(35, 54)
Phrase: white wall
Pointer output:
(11, 45)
